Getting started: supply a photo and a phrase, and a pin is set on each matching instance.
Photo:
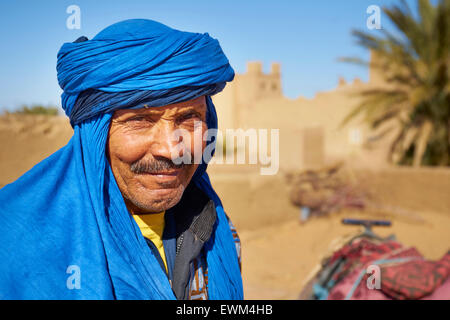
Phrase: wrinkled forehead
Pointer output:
(198, 105)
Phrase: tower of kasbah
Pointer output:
(310, 129)
(236, 103)
(376, 76)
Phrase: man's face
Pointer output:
(142, 145)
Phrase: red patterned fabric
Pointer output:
(414, 279)
(405, 274)
(359, 253)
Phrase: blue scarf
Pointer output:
(66, 217)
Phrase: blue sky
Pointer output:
(306, 37)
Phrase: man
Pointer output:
(113, 215)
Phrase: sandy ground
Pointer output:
(278, 259)
(278, 252)
(27, 139)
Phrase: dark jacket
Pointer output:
(188, 225)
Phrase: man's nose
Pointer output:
(166, 141)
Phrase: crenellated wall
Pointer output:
(255, 100)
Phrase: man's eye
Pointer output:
(188, 117)
(137, 118)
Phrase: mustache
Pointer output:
(155, 166)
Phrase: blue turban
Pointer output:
(67, 212)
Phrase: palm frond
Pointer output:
(414, 61)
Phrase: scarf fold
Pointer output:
(64, 227)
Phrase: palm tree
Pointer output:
(415, 97)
